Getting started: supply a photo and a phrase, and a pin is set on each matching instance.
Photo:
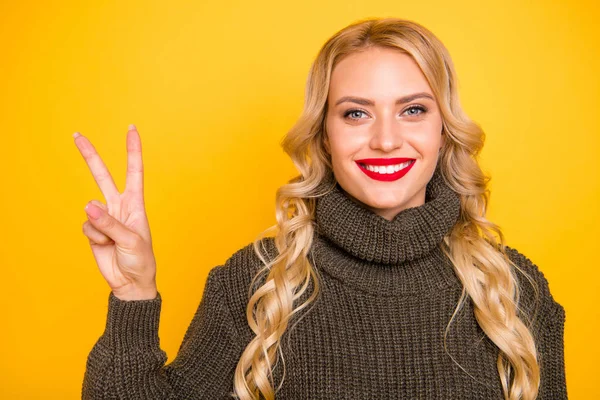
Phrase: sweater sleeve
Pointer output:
(127, 362)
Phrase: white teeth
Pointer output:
(387, 169)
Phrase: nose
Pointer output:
(386, 135)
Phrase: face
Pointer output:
(381, 116)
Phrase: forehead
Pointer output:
(378, 73)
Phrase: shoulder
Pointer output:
(243, 264)
(234, 277)
(543, 305)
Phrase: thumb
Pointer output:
(111, 227)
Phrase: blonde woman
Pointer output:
(383, 278)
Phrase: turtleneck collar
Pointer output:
(402, 255)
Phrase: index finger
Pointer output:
(101, 175)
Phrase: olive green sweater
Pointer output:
(376, 331)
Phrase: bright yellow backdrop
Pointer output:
(213, 88)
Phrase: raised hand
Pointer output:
(118, 232)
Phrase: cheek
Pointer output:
(345, 148)
(427, 144)
(344, 142)
(428, 138)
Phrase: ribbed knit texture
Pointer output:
(376, 331)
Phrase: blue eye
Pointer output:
(418, 108)
(347, 113)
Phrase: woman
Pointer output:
(384, 278)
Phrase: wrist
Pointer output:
(136, 293)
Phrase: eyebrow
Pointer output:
(401, 100)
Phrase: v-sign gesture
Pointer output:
(119, 232)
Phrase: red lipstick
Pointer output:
(385, 162)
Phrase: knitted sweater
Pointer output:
(376, 331)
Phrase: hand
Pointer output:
(119, 232)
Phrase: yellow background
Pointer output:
(213, 88)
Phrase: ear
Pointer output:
(326, 145)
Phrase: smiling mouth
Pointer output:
(386, 169)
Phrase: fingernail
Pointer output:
(99, 204)
(76, 135)
(93, 211)
(132, 127)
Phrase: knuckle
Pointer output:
(86, 228)
(105, 240)
(135, 241)
(103, 175)
(134, 169)
(107, 223)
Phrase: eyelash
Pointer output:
(416, 107)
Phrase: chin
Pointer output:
(383, 201)
(387, 205)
